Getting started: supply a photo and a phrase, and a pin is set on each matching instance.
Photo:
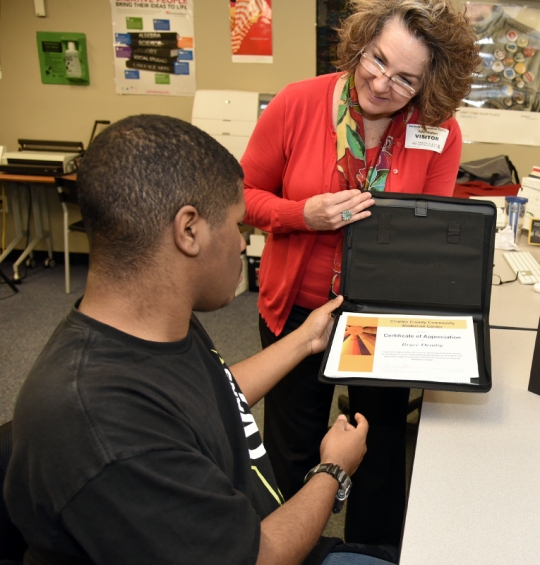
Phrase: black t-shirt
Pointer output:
(130, 451)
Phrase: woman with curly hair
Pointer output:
(318, 149)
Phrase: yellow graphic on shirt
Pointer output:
(277, 495)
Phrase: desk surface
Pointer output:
(31, 179)
(34, 179)
(475, 490)
(514, 304)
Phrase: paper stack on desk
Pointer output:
(530, 188)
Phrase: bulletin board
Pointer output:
(504, 102)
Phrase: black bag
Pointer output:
(497, 171)
(426, 255)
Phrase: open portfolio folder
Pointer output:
(420, 348)
(415, 277)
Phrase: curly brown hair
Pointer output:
(437, 24)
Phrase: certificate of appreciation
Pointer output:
(420, 348)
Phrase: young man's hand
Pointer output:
(261, 372)
(318, 325)
(344, 444)
(291, 531)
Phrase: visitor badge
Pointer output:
(430, 138)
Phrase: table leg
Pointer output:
(49, 262)
(39, 210)
(20, 218)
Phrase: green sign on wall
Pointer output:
(63, 58)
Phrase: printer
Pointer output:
(229, 116)
(45, 158)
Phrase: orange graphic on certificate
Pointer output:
(359, 340)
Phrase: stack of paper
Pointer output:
(530, 186)
(535, 173)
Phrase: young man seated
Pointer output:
(133, 440)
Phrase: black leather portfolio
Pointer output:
(421, 256)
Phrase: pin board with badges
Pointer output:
(509, 43)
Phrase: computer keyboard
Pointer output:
(525, 265)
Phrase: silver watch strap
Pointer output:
(341, 477)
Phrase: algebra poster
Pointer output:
(154, 48)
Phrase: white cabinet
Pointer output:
(229, 116)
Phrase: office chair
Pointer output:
(67, 191)
(12, 544)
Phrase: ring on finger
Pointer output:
(346, 215)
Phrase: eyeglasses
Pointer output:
(377, 69)
(497, 281)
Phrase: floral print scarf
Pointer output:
(352, 166)
(353, 169)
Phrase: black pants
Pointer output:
(296, 413)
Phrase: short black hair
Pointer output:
(138, 173)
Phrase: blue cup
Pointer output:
(515, 209)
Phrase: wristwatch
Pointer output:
(341, 477)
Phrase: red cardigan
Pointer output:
(290, 157)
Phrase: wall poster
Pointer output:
(504, 103)
(251, 31)
(154, 48)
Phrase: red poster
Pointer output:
(251, 31)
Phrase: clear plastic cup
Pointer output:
(515, 209)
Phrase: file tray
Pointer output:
(421, 255)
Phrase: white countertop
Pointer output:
(475, 490)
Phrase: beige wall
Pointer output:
(30, 109)
(33, 110)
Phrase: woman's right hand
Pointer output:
(323, 211)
